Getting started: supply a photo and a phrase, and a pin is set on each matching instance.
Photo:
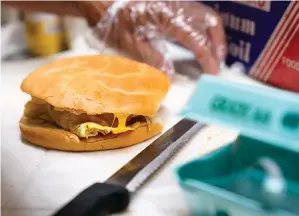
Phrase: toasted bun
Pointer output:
(98, 84)
(40, 133)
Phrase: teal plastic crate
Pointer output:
(257, 174)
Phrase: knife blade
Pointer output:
(114, 194)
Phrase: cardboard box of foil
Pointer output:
(264, 36)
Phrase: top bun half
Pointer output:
(98, 84)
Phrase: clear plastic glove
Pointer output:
(139, 28)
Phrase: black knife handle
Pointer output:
(97, 200)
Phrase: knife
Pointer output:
(114, 194)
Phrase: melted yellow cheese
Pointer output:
(122, 119)
(89, 129)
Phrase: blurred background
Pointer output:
(36, 35)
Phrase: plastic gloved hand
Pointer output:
(136, 27)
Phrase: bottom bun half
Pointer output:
(41, 133)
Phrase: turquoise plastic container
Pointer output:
(257, 174)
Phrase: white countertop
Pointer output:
(35, 181)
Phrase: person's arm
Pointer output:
(73, 8)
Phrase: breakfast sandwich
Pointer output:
(95, 102)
